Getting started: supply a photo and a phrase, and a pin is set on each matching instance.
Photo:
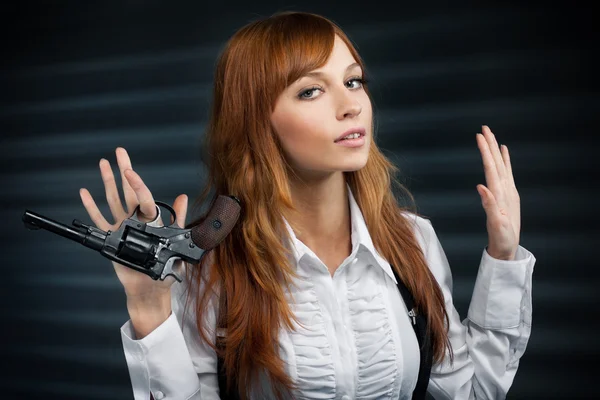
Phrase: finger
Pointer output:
(489, 203)
(143, 194)
(125, 163)
(508, 165)
(493, 145)
(110, 188)
(180, 206)
(489, 166)
(92, 210)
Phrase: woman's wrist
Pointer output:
(148, 314)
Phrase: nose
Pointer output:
(348, 106)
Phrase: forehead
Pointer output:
(340, 54)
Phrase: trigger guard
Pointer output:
(157, 204)
(168, 207)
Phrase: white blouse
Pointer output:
(356, 340)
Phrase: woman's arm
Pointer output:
(489, 343)
(172, 362)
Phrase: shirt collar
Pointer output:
(360, 239)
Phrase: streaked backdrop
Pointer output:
(80, 78)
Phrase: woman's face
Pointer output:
(316, 109)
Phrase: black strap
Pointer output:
(419, 323)
(224, 393)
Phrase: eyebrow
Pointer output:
(320, 74)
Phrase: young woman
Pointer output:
(303, 294)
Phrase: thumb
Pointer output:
(487, 198)
(180, 206)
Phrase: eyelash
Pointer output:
(362, 81)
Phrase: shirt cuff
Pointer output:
(160, 362)
(499, 290)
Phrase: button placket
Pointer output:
(158, 395)
(140, 353)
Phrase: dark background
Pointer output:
(80, 78)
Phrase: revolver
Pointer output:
(145, 248)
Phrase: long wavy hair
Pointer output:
(252, 266)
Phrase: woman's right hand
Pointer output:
(139, 287)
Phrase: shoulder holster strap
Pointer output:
(419, 324)
(224, 393)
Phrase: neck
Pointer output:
(323, 221)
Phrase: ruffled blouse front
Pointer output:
(353, 338)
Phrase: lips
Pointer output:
(350, 131)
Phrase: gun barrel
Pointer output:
(34, 220)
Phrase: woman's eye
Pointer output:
(358, 81)
(308, 94)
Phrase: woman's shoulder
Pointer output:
(432, 249)
(422, 227)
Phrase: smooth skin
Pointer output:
(500, 198)
(309, 115)
(148, 301)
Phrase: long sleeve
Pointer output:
(489, 343)
(172, 362)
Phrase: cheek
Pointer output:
(298, 128)
(367, 107)
(302, 135)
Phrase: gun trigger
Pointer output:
(168, 270)
(177, 278)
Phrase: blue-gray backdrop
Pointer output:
(80, 78)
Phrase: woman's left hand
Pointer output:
(500, 199)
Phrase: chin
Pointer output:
(354, 166)
(353, 169)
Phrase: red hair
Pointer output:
(251, 266)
